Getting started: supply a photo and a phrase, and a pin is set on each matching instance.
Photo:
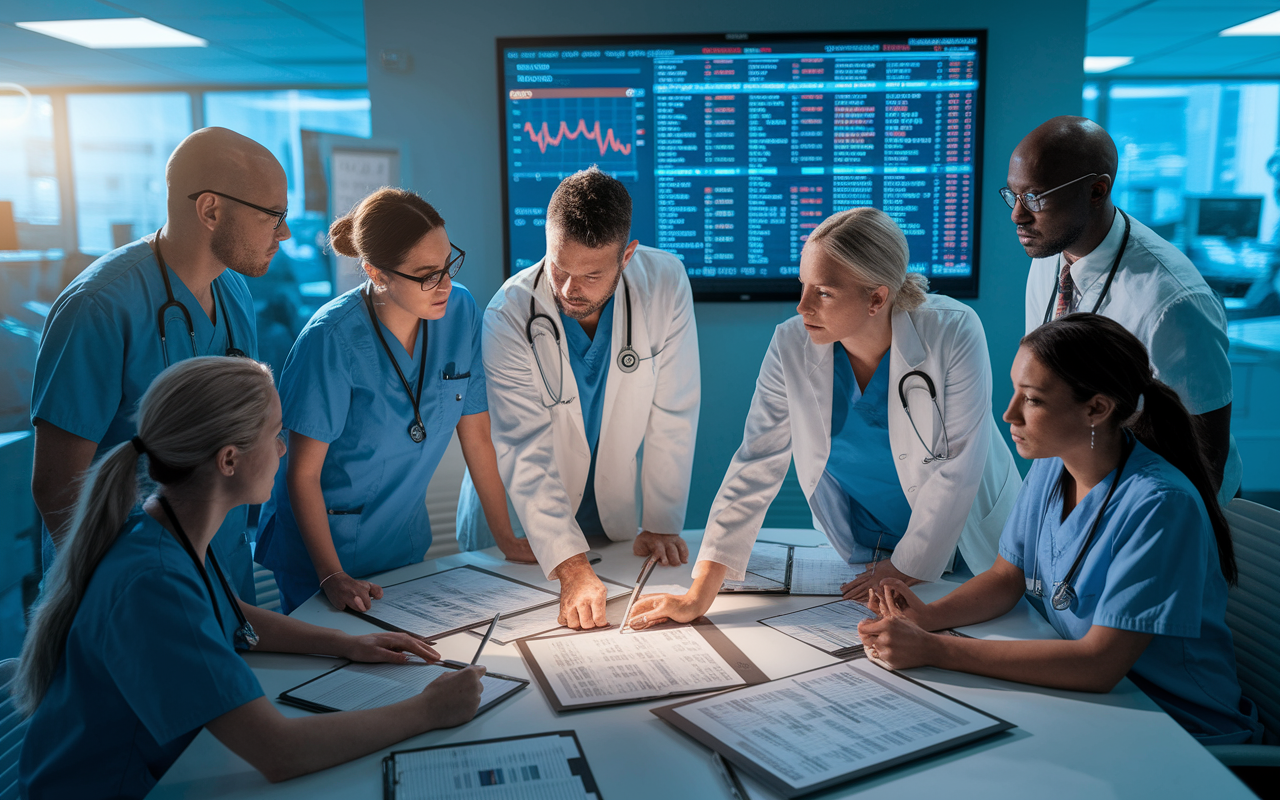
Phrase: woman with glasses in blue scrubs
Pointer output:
(1116, 537)
(376, 384)
(133, 648)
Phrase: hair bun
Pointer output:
(342, 237)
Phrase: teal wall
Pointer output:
(445, 108)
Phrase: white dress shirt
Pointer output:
(1159, 296)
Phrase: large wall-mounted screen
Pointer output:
(734, 147)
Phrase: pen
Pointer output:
(645, 572)
(736, 788)
(492, 626)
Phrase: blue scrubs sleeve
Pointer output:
(477, 399)
(80, 364)
(1155, 583)
(316, 384)
(168, 658)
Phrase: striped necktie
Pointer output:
(1065, 290)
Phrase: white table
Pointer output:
(1067, 744)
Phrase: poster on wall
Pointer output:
(353, 174)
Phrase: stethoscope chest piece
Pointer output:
(628, 359)
(1063, 597)
(247, 636)
(416, 432)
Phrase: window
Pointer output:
(286, 122)
(119, 146)
(28, 171)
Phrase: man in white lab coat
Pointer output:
(591, 359)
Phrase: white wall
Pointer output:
(446, 109)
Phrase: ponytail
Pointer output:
(109, 492)
(1095, 355)
(190, 411)
(1166, 428)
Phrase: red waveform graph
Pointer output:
(606, 142)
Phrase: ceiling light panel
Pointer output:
(114, 34)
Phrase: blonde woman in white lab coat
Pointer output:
(891, 485)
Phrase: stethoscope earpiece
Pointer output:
(945, 453)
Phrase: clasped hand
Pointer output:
(898, 639)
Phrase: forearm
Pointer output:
(482, 462)
(1071, 664)
(307, 500)
(61, 459)
(983, 597)
(708, 576)
(280, 634)
(282, 748)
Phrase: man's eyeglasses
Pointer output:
(279, 215)
(1034, 201)
(432, 279)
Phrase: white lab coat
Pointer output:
(965, 498)
(543, 456)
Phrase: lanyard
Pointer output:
(244, 634)
(1106, 287)
(417, 432)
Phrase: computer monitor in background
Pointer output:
(735, 146)
(1225, 217)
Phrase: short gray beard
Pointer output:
(581, 315)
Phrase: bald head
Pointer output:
(1065, 148)
(225, 161)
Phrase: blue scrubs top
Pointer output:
(338, 387)
(101, 349)
(861, 460)
(1153, 568)
(146, 666)
(589, 358)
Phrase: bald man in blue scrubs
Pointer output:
(172, 295)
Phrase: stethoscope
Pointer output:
(417, 431)
(1065, 594)
(219, 307)
(244, 634)
(628, 359)
(1106, 287)
(945, 452)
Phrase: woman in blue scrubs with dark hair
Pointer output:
(376, 384)
(1116, 537)
(133, 648)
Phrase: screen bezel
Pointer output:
(765, 289)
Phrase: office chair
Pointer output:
(1253, 606)
(12, 728)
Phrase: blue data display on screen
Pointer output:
(734, 151)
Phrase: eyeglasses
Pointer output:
(432, 279)
(279, 215)
(1034, 202)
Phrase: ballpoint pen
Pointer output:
(736, 788)
(487, 634)
(645, 572)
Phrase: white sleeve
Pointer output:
(945, 497)
(524, 441)
(1189, 352)
(673, 420)
(755, 474)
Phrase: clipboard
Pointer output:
(815, 640)
(480, 618)
(982, 725)
(290, 698)
(578, 766)
(759, 584)
(737, 660)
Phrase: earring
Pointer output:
(1092, 435)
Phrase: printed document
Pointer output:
(833, 721)
(532, 768)
(457, 598)
(832, 627)
(766, 571)
(820, 570)
(545, 619)
(610, 666)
